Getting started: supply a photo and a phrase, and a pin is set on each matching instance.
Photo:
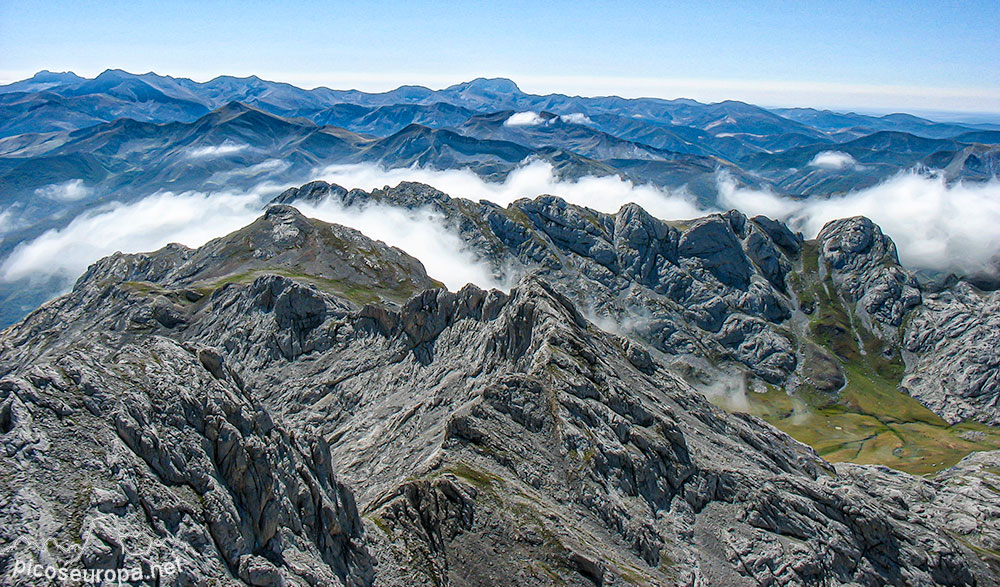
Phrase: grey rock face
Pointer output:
(955, 369)
(866, 267)
(948, 338)
(150, 457)
(487, 438)
(715, 288)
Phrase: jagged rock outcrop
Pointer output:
(955, 365)
(713, 289)
(488, 438)
(127, 452)
(865, 266)
(718, 291)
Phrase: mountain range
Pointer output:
(71, 146)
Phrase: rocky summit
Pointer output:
(297, 404)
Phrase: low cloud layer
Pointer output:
(524, 119)
(213, 151)
(834, 160)
(189, 218)
(935, 225)
(67, 191)
(605, 194)
(193, 218)
(4, 222)
(421, 233)
(265, 168)
(576, 118)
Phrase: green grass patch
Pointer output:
(143, 287)
(871, 421)
(478, 478)
(381, 524)
(810, 257)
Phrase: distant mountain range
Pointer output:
(120, 137)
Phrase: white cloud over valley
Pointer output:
(576, 118)
(148, 224)
(834, 160)
(67, 191)
(524, 119)
(935, 225)
(605, 194)
(421, 233)
(211, 151)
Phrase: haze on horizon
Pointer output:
(919, 57)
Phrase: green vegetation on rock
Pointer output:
(870, 421)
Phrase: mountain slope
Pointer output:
(863, 124)
(488, 438)
(810, 335)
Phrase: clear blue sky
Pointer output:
(918, 55)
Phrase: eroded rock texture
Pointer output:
(275, 429)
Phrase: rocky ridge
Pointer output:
(726, 291)
(272, 431)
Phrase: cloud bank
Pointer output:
(834, 160)
(935, 225)
(67, 191)
(604, 194)
(212, 151)
(189, 218)
(4, 222)
(259, 170)
(576, 118)
(421, 233)
(524, 119)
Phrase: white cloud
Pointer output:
(936, 225)
(193, 218)
(576, 118)
(67, 191)
(524, 119)
(150, 223)
(834, 160)
(264, 168)
(211, 151)
(5, 223)
(753, 202)
(421, 233)
(605, 194)
(727, 390)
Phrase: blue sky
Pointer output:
(914, 56)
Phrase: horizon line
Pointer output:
(440, 82)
